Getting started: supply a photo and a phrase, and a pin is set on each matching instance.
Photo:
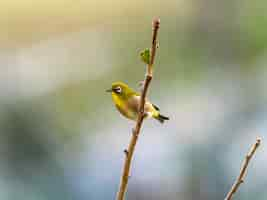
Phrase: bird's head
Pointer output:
(121, 89)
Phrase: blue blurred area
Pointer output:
(62, 138)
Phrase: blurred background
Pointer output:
(62, 138)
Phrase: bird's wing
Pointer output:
(156, 107)
(133, 103)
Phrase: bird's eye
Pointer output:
(118, 90)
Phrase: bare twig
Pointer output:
(141, 114)
(243, 171)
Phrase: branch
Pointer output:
(243, 171)
(129, 152)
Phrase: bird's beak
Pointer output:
(109, 90)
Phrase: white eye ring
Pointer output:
(118, 90)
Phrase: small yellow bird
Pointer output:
(127, 102)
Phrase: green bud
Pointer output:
(145, 55)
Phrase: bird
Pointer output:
(127, 102)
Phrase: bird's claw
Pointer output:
(145, 115)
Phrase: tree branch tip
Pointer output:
(243, 170)
(156, 22)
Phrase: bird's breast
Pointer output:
(124, 108)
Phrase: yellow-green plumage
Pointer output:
(127, 102)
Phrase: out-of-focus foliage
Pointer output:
(61, 137)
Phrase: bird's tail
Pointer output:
(161, 118)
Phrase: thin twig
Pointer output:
(243, 171)
(141, 115)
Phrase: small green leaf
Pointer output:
(145, 55)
